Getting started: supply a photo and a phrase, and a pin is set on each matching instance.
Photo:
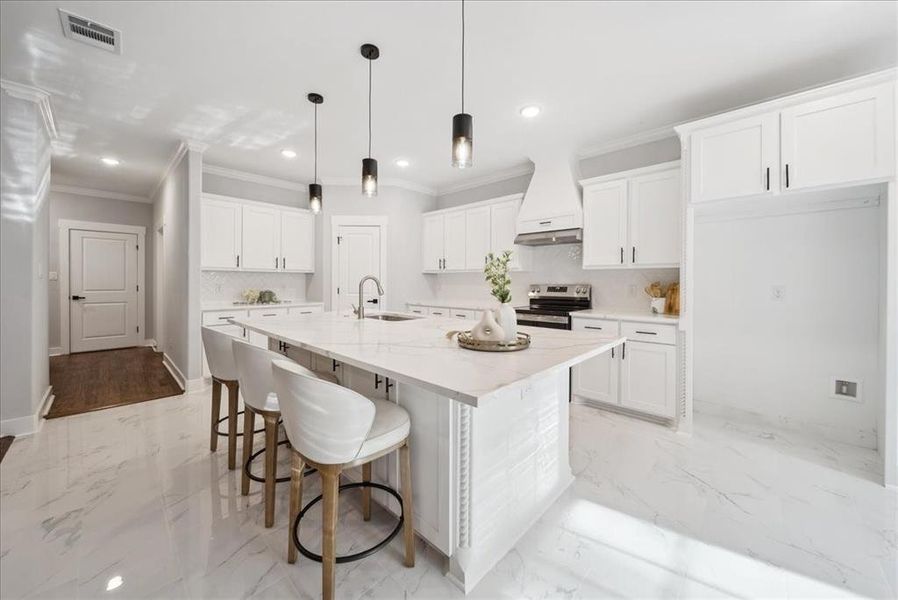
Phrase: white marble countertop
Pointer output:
(229, 305)
(418, 352)
(625, 314)
(458, 303)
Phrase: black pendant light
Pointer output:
(315, 196)
(369, 165)
(462, 123)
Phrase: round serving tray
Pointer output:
(466, 340)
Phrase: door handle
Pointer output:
(79, 298)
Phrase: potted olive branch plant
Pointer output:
(496, 274)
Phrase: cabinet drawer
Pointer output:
(548, 224)
(417, 309)
(461, 313)
(267, 313)
(601, 325)
(304, 310)
(650, 332)
(220, 317)
(438, 312)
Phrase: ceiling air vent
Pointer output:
(88, 32)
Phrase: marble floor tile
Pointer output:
(129, 502)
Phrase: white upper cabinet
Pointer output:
(655, 219)
(220, 234)
(477, 236)
(459, 239)
(843, 134)
(605, 224)
(503, 223)
(432, 243)
(842, 138)
(297, 241)
(261, 238)
(253, 236)
(454, 240)
(736, 159)
(633, 219)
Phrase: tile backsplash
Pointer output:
(618, 288)
(229, 285)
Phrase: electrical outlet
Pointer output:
(844, 388)
(778, 293)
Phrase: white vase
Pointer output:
(508, 321)
(488, 330)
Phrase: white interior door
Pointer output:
(655, 211)
(103, 290)
(358, 254)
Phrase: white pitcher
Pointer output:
(508, 321)
(488, 330)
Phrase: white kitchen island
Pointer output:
(489, 431)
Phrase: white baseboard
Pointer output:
(197, 384)
(175, 371)
(56, 351)
(29, 424)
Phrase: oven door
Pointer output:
(529, 319)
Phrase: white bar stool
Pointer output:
(257, 387)
(333, 428)
(220, 357)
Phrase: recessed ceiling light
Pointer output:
(401, 162)
(109, 161)
(288, 153)
(114, 583)
(528, 112)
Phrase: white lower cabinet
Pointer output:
(639, 376)
(257, 339)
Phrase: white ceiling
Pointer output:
(235, 75)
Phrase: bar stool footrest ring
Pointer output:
(239, 433)
(358, 555)
(257, 453)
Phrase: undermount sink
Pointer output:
(390, 317)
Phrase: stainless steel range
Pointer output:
(551, 304)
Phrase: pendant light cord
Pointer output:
(316, 143)
(369, 107)
(463, 55)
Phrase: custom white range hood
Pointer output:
(552, 212)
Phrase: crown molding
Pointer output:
(36, 95)
(91, 193)
(254, 178)
(637, 139)
(195, 146)
(496, 176)
(382, 181)
(169, 166)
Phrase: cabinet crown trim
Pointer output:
(490, 202)
(244, 201)
(656, 168)
(885, 77)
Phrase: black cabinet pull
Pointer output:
(545, 222)
(79, 298)
(591, 327)
(612, 351)
(634, 255)
(225, 318)
(238, 261)
(372, 301)
(787, 174)
(621, 255)
(284, 262)
(623, 351)
(269, 315)
(335, 365)
(768, 179)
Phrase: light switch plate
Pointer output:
(778, 293)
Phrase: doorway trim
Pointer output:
(359, 221)
(65, 228)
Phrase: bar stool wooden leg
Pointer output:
(366, 492)
(233, 388)
(298, 465)
(330, 481)
(405, 468)
(249, 425)
(271, 463)
(216, 410)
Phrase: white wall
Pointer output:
(775, 358)
(24, 225)
(403, 208)
(101, 210)
(176, 207)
